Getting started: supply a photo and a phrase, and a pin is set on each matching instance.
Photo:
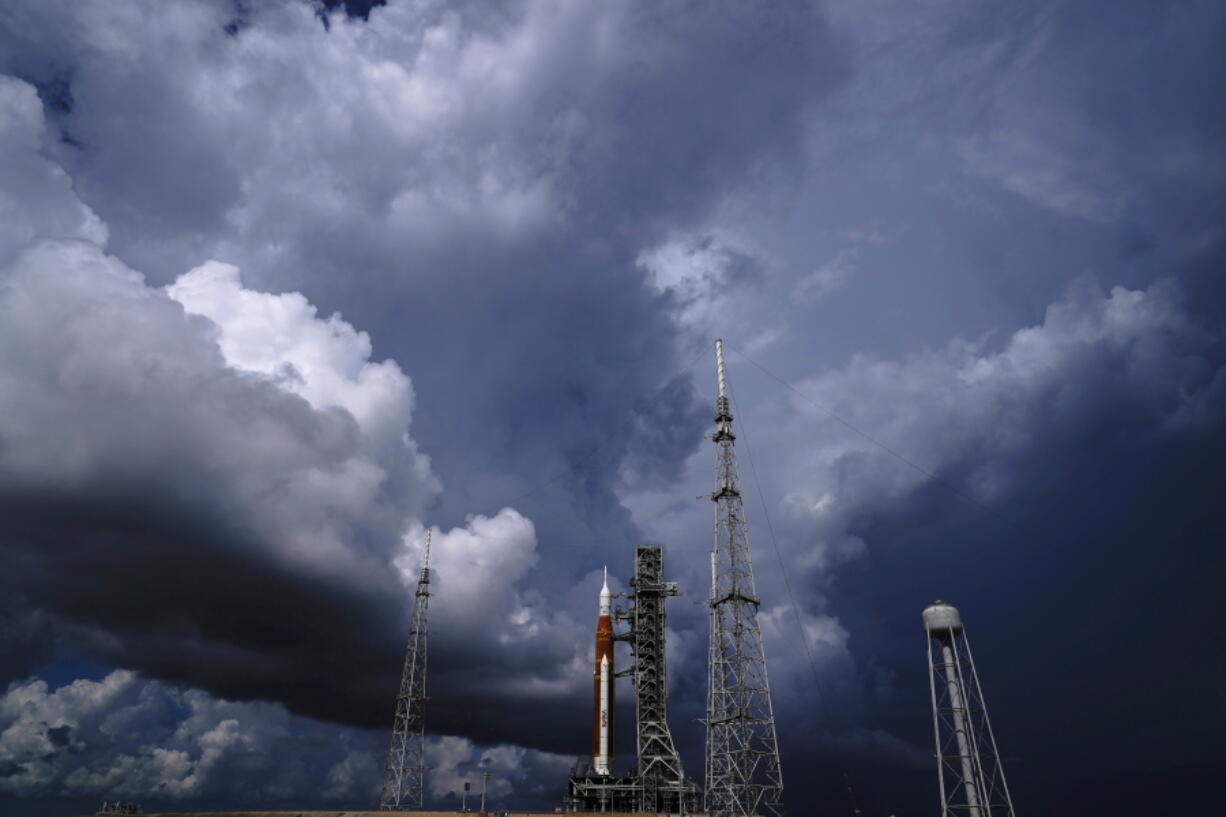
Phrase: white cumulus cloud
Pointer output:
(127, 737)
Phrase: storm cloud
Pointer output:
(283, 287)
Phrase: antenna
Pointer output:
(743, 775)
(968, 766)
(402, 776)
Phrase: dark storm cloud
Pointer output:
(1104, 133)
(158, 501)
(1098, 130)
(476, 192)
(1024, 449)
(354, 8)
(495, 173)
(161, 500)
(532, 211)
(1107, 118)
(1102, 557)
(179, 514)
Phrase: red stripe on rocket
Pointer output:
(603, 702)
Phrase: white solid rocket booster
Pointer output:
(602, 726)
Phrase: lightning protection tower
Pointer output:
(743, 774)
(402, 776)
(971, 778)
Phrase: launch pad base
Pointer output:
(628, 795)
(602, 793)
(426, 813)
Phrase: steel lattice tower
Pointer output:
(971, 778)
(402, 777)
(664, 787)
(743, 774)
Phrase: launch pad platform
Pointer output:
(588, 793)
(469, 813)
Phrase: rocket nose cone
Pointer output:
(606, 598)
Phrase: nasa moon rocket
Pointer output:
(602, 722)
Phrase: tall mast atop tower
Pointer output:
(743, 774)
(402, 776)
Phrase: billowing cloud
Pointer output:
(1095, 354)
(177, 463)
(704, 274)
(499, 637)
(36, 196)
(277, 474)
(498, 173)
(325, 362)
(232, 233)
(127, 737)
(965, 422)
(514, 772)
(432, 121)
(121, 406)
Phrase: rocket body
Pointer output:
(603, 700)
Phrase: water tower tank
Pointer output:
(942, 620)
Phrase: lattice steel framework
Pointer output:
(665, 788)
(971, 778)
(743, 775)
(402, 776)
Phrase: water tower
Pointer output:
(972, 780)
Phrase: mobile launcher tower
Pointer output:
(972, 780)
(657, 784)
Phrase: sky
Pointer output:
(285, 284)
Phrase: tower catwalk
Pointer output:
(402, 776)
(971, 778)
(743, 774)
